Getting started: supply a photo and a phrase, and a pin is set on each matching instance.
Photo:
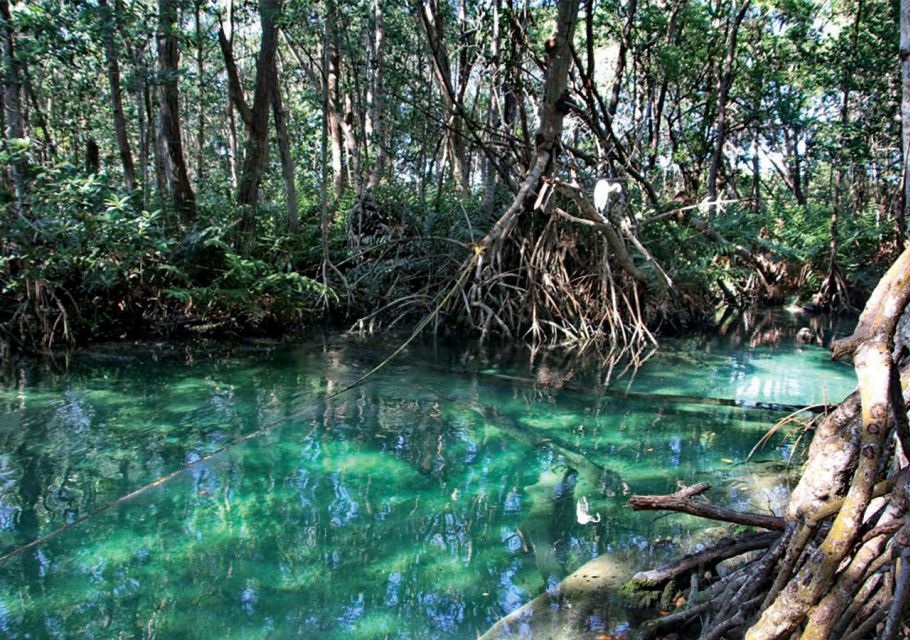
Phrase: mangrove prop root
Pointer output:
(841, 568)
(723, 550)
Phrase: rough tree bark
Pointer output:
(871, 345)
(169, 137)
(553, 109)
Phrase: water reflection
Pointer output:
(426, 503)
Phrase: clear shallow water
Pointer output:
(426, 503)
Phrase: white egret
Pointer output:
(605, 191)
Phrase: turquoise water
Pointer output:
(426, 503)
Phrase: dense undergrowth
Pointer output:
(92, 262)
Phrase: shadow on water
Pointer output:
(428, 502)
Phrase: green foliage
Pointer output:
(89, 259)
(244, 291)
(89, 262)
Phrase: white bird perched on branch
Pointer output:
(605, 191)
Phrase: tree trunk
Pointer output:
(796, 171)
(233, 147)
(256, 148)
(615, 91)
(141, 95)
(49, 149)
(113, 78)
(494, 113)
(200, 124)
(350, 145)
(833, 291)
(905, 120)
(333, 73)
(871, 345)
(756, 175)
(92, 156)
(169, 137)
(662, 92)
(287, 161)
(553, 109)
(723, 94)
(375, 127)
(430, 20)
(821, 580)
(12, 108)
(236, 102)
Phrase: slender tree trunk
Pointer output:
(287, 161)
(141, 89)
(350, 145)
(756, 174)
(375, 127)
(723, 94)
(161, 183)
(905, 120)
(333, 74)
(169, 136)
(834, 288)
(431, 21)
(113, 78)
(233, 147)
(233, 144)
(494, 113)
(49, 149)
(92, 156)
(615, 91)
(141, 95)
(553, 110)
(200, 79)
(256, 148)
(662, 92)
(795, 170)
(12, 108)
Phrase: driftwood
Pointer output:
(682, 502)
